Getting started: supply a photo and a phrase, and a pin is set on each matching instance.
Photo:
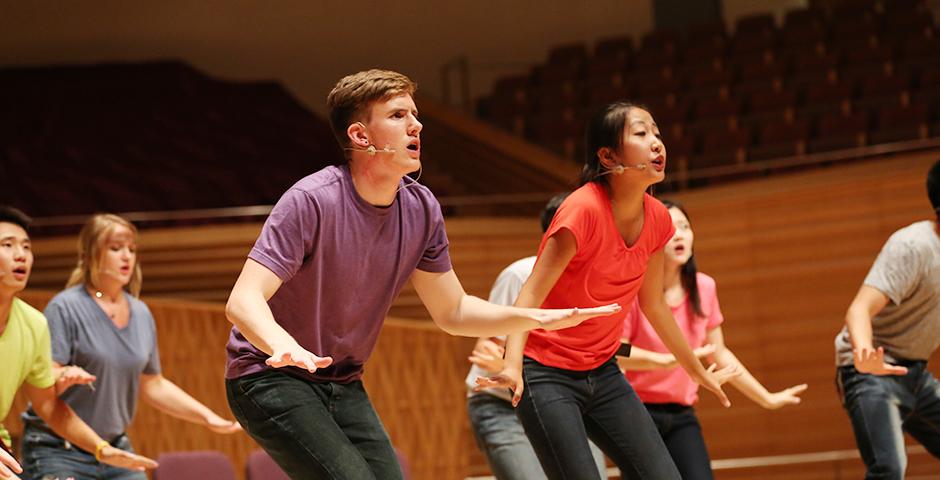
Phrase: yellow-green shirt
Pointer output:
(25, 355)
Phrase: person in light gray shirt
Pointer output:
(891, 329)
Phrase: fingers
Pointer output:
(517, 395)
(894, 370)
(797, 389)
(8, 465)
(301, 359)
(704, 350)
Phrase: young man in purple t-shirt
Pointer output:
(312, 296)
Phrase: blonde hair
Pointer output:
(91, 242)
(355, 93)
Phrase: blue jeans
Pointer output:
(679, 427)
(502, 439)
(314, 430)
(561, 408)
(882, 407)
(46, 456)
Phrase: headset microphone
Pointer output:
(371, 150)
(619, 169)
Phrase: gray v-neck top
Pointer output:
(83, 335)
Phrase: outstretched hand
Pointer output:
(704, 350)
(8, 466)
(124, 459)
(72, 375)
(556, 319)
(488, 355)
(296, 356)
(789, 396)
(217, 424)
(873, 362)
(510, 378)
(714, 378)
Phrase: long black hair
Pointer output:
(605, 129)
(689, 272)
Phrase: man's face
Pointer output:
(394, 124)
(16, 257)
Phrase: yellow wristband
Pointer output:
(99, 447)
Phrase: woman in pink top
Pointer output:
(666, 390)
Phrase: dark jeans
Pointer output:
(502, 439)
(882, 407)
(48, 456)
(561, 408)
(682, 434)
(314, 430)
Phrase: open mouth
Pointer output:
(659, 163)
(680, 249)
(20, 273)
(414, 146)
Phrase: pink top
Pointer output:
(673, 385)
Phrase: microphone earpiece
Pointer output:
(618, 170)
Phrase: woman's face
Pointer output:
(642, 145)
(119, 255)
(679, 249)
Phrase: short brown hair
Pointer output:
(355, 93)
(91, 244)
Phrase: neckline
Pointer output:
(104, 315)
(612, 222)
(361, 203)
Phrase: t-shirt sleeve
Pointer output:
(153, 361)
(506, 288)
(710, 304)
(663, 227)
(897, 270)
(436, 256)
(61, 331)
(40, 371)
(577, 217)
(288, 235)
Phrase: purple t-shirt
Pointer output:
(343, 262)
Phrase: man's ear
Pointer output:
(357, 134)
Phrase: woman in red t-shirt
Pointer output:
(603, 246)
(667, 391)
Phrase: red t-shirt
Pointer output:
(673, 385)
(604, 270)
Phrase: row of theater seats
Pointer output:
(866, 72)
(153, 136)
(208, 464)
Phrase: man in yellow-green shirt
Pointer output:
(26, 357)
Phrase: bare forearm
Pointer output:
(641, 359)
(665, 325)
(250, 313)
(858, 321)
(169, 398)
(475, 317)
(746, 383)
(67, 424)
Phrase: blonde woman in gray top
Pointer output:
(891, 329)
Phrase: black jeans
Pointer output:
(682, 434)
(882, 407)
(561, 408)
(314, 430)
